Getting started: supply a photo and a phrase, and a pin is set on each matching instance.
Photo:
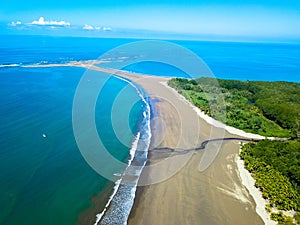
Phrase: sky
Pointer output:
(206, 18)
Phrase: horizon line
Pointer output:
(167, 36)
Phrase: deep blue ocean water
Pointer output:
(239, 61)
(228, 60)
(46, 180)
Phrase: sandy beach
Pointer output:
(194, 195)
(202, 187)
(197, 187)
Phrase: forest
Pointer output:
(265, 108)
(275, 165)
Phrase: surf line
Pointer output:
(134, 147)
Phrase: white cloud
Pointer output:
(88, 27)
(97, 28)
(15, 23)
(43, 22)
(107, 28)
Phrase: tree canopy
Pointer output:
(265, 108)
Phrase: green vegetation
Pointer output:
(265, 108)
(275, 166)
(297, 217)
(282, 219)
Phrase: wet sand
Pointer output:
(198, 187)
(194, 195)
(196, 192)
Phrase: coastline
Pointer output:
(146, 209)
(120, 203)
(216, 123)
(249, 182)
(200, 196)
(70, 58)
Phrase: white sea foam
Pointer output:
(118, 182)
(134, 147)
(124, 207)
(9, 65)
(100, 215)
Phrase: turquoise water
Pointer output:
(46, 180)
(228, 60)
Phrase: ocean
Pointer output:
(44, 179)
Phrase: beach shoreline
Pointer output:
(199, 196)
(249, 182)
(245, 176)
(216, 123)
(140, 213)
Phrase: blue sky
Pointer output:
(248, 18)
